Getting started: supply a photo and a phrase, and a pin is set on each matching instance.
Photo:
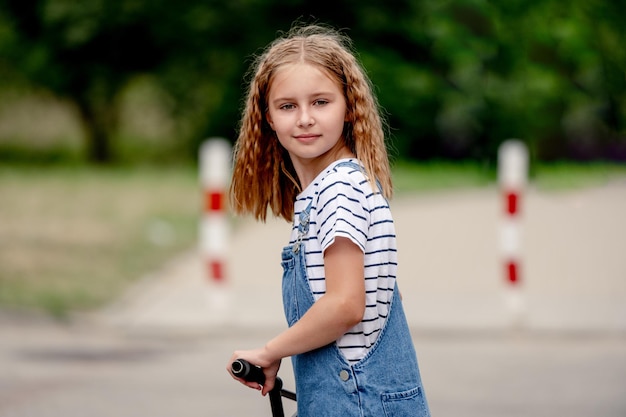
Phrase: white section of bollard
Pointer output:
(215, 233)
(510, 242)
(215, 163)
(516, 305)
(512, 165)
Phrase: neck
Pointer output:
(308, 170)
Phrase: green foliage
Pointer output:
(455, 77)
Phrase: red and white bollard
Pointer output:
(215, 171)
(512, 179)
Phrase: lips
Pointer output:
(309, 137)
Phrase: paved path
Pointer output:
(161, 349)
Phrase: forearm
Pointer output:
(325, 322)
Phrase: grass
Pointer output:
(564, 176)
(412, 177)
(72, 239)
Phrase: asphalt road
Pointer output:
(52, 370)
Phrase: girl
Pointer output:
(311, 149)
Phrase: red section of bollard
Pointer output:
(512, 203)
(214, 201)
(512, 272)
(216, 270)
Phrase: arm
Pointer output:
(341, 308)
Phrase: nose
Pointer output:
(305, 119)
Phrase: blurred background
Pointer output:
(104, 105)
(134, 81)
(100, 98)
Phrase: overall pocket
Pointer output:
(409, 403)
(289, 291)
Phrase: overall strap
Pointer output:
(350, 164)
(303, 226)
(358, 167)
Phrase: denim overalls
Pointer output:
(386, 382)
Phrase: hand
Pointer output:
(257, 357)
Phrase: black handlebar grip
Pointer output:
(248, 372)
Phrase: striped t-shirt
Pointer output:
(343, 204)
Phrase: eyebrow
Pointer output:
(315, 95)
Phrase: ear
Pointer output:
(268, 117)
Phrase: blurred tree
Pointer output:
(83, 51)
(455, 77)
(88, 52)
(571, 75)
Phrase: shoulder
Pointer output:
(346, 176)
(343, 192)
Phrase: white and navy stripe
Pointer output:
(344, 204)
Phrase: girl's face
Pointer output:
(307, 110)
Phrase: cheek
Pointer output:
(283, 144)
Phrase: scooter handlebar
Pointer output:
(243, 369)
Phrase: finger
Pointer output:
(269, 385)
(252, 385)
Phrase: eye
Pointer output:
(320, 102)
(286, 106)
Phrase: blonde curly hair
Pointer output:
(263, 176)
